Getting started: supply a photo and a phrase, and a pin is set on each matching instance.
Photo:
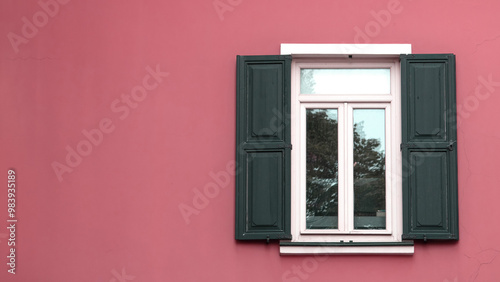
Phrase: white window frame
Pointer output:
(347, 56)
(345, 150)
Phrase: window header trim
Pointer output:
(345, 49)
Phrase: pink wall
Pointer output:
(115, 216)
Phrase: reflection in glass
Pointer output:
(369, 168)
(345, 81)
(322, 169)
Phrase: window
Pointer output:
(344, 119)
(372, 161)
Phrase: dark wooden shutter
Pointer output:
(429, 147)
(263, 147)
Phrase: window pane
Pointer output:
(345, 81)
(369, 168)
(322, 169)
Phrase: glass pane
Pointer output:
(369, 168)
(345, 81)
(322, 169)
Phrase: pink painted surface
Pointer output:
(116, 217)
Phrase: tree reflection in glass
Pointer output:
(322, 169)
(369, 168)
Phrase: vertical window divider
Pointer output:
(348, 164)
(341, 169)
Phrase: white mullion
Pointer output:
(341, 169)
(348, 162)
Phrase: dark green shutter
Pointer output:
(429, 147)
(263, 147)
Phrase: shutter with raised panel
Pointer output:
(263, 147)
(429, 146)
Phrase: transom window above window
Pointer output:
(345, 81)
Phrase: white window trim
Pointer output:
(345, 49)
(394, 227)
(346, 250)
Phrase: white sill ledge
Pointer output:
(345, 248)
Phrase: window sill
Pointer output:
(343, 248)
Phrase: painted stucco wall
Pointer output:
(117, 114)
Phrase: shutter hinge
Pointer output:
(288, 146)
(450, 146)
(405, 145)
